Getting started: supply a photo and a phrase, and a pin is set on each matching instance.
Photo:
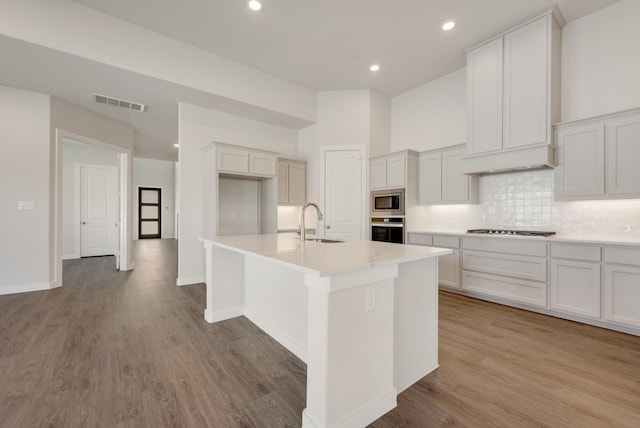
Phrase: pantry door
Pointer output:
(345, 202)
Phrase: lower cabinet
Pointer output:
(449, 265)
(508, 269)
(622, 286)
(575, 279)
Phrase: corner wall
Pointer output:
(24, 176)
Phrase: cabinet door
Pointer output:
(484, 97)
(526, 55)
(378, 173)
(297, 183)
(449, 270)
(575, 287)
(580, 160)
(623, 154)
(622, 294)
(430, 184)
(233, 160)
(262, 164)
(396, 170)
(283, 182)
(455, 184)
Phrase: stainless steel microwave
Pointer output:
(387, 202)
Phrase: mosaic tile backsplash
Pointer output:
(524, 200)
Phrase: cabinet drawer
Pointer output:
(525, 247)
(519, 290)
(446, 241)
(263, 164)
(233, 160)
(576, 252)
(420, 239)
(532, 268)
(625, 256)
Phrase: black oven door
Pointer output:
(392, 234)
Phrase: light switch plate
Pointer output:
(26, 205)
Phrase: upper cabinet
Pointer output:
(390, 171)
(597, 158)
(441, 180)
(513, 97)
(292, 182)
(245, 161)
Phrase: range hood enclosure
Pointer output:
(522, 158)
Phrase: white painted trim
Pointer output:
(190, 280)
(364, 171)
(297, 348)
(401, 388)
(125, 164)
(360, 417)
(215, 316)
(70, 256)
(26, 288)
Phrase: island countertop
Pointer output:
(324, 259)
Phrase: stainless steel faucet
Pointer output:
(304, 208)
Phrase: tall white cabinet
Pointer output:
(597, 158)
(513, 96)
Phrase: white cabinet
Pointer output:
(244, 161)
(292, 182)
(597, 158)
(580, 160)
(575, 279)
(390, 171)
(513, 96)
(622, 286)
(506, 269)
(448, 265)
(441, 180)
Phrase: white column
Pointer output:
(225, 284)
(350, 379)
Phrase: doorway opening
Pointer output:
(149, 213)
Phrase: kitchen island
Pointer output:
(362, 315)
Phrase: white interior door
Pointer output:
(343, 195)
(98, 211)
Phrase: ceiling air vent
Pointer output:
(130, 105)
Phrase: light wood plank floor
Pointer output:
(130, 349)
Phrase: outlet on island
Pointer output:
(370, 299)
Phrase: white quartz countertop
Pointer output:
(583, 239)
(324, 259)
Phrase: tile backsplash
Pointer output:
(524, 200)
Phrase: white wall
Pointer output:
(156, 173)
(76, 153)
(601, 62)
(379, 124)
(198, 127)
(431, 116)
(24, 176)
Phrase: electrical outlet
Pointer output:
(370, 299)
(26, 205)
(623, 228)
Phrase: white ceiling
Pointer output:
(323, 45)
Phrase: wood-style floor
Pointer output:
(130, 349)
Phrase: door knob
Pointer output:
(328, 227)
(84, 222)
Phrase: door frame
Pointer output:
(124, 258)
(137, 208)
(78, 201)
(364, 203)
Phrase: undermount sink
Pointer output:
(323, 240)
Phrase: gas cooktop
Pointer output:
(511, 232)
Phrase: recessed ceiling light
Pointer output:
(255, 5)
(448, 25)
(374, 67)
(176, 145)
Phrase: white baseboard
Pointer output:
(401, 388)
(70, 256)
(26, 288)
(297, 348)
(190, 280)
(215, 316)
